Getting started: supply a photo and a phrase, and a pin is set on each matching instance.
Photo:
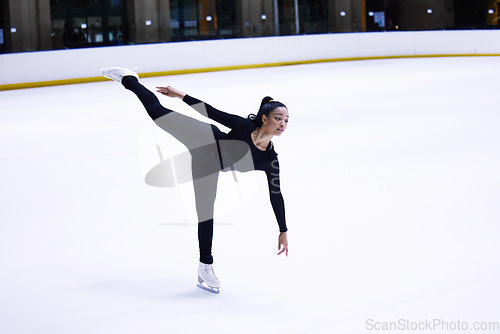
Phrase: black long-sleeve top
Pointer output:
(267, 161)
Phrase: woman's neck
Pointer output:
(261, 139)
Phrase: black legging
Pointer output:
(201, 141)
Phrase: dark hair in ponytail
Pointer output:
(266, 106)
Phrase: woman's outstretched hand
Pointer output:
(170, 92)
(283, 244)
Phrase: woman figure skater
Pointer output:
(246, 147)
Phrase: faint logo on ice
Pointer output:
(167, 152)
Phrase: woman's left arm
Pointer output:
(278, 204)
(283, 244)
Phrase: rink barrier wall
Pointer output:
(62, 82)
(62, 67)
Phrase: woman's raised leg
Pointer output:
(189, 131)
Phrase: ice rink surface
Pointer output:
(390, 173)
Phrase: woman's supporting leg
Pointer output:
(205, 189)
(205, 236)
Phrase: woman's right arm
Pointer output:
(203, 108)
(170, 92)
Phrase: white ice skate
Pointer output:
(117, 73)
(206, 275)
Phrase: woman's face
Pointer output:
(277, 121)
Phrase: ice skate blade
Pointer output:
(209, 289)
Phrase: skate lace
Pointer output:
(118, 73)
(114, 74)
(209, 271)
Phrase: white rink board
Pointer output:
(85, 63)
